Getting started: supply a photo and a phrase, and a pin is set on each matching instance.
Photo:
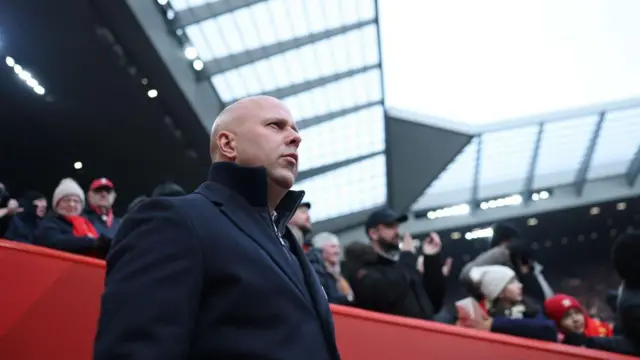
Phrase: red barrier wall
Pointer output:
(49, 305)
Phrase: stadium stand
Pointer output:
(519, 166)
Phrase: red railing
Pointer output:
(49, 306)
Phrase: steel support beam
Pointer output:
(581, 176)
(230, 62)
(634, 169)
(475, 190)
(303, 175)
(317, 120)
(528, 182)
(564, 197)
(209, 10)
(295, 89)
(380, 57)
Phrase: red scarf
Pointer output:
(596, 328)
(82, 227)
(107, 216)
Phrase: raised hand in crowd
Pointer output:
(432, 244)
(407, 243)
(13, 207)
(446, 268)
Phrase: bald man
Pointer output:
(216, 274)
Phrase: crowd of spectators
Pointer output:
(506, 288)
(78, 221)
(391, 272)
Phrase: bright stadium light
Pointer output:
(455, 210)
(152, 93)
(32, 82)
(479, 233)
(198, 64)
(512, 200)
(77, 165)
(163, 2)
(25, 75)
(190, 52)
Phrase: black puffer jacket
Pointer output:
(395, 286)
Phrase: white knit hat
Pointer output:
(491, 279)
(67, 187)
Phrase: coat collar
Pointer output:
(251, 184)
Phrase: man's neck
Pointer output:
(275, 196)
(101, 209)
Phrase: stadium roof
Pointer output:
(367, 80)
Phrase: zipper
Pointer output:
(276, 232)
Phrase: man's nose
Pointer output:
(294, 139)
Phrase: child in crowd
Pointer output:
(570, 316)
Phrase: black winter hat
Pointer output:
(168, 189)
(625, 254)
(503, 232)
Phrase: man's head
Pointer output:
(35, 202)
(301, 218)
(168, 189)
(624, 256)
(567, 312)
(329, 244)
(68, 198)
(383, 229)
(101, 193)
(258, 131)
(503, 234)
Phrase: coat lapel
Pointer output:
(248, 220)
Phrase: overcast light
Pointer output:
(486, 61)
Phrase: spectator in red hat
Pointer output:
(101, 196)
(570, 316)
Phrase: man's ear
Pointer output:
(226, 143)
(371, 233)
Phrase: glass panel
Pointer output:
(347, 137)
(179, 5)
(562, 148)
(618, 142)
(314, 61)
(350, 189)
(504, 161)
(204, 37)
(551, 58)
(313, 103)
(456, 177)
(261, 24)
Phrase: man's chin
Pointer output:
(284, 179)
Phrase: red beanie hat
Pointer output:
(556, 306)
